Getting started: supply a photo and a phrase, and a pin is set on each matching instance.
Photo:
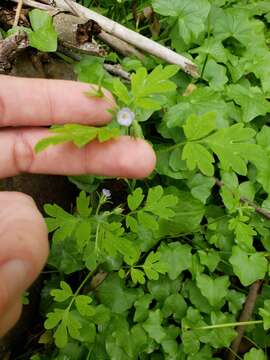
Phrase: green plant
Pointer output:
(163, 271)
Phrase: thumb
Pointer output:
(23, 251)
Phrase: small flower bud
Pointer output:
(118, 211)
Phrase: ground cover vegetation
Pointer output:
(175, 266)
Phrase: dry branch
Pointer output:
(117, 71)
(119, 45)
(36, 5)
(139, 41)
(245, 316)
(18, 13)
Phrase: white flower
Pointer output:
(106, 193)
(125, 117)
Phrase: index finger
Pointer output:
(40, 102)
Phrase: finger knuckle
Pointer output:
(23, 155)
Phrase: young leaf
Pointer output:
(121, 91)
(62, 294)
(153, 266)
(137, 276)
(53, 318)
(80, 135)
(135, 199)
(255, 354)
(83, 204)
(244, 234)
(44, 37)
(83, 305)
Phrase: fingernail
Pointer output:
(14, 276)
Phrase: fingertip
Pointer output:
(129, 157)
(24, 234)
(147, 158)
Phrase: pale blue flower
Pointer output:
(125, 117)
(106, 193)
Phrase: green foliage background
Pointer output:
(163, 270)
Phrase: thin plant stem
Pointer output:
(234, 324)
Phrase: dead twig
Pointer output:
(121, 32)
(139, 41)
(119, 45)
(18, 13)
(117, 71)
(113, 42)
(245, 316)
(48, 2)
(36, 5)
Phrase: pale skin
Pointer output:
(25, 106)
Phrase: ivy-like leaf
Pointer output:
(177, 258)
(190, 16)
(242, 264)
(153, 326)
(215, 290)
(251, 99)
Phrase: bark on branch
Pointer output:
(245, 316)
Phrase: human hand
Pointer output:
(25, 106)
